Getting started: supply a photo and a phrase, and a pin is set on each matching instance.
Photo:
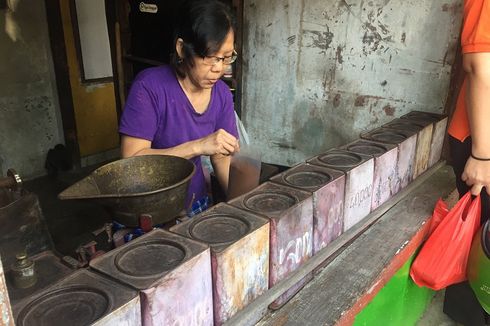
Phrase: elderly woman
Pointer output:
(185, 109)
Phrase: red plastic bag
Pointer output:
(443, 258)
(440, 212)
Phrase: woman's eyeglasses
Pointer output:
(213, 60)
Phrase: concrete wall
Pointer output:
(317, 73)
(29, 112)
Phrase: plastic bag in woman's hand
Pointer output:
(443, 258)
(440, 212)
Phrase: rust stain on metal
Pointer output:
(319, 39)
(336, 100)
(404, 37)
(404, 71)
(451, 8)
(375, 33)
(360, 101)
(389, 110)
(284, 146)
(423, 150)
(338, 54)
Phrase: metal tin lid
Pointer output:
(306, 179)
(77, 305)
(421, 116)
(341, 159)
(388, 136)
(219, 229)
(149, 258)
(405, 124)
(269, 202)
(367, 148)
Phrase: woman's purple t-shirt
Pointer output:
(158, 110)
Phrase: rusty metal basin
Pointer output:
(149, 184)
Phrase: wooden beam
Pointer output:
(63, 85)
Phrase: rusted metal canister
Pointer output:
(359, 175)
(424, 137)
(23, 271)
(327, 187)
(239, 242)
(385, 163)
(439, 122)
(407, 145)
(290, 212)
(83, 298)
(172, 273)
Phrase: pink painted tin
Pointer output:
(327, 187)
(172, 273)
(239, 242)
(83, 298)
(359, 176)
(407, 145)
(439, 122)
(5, 307)
(424, 137)
(290, 212)
(385, 162)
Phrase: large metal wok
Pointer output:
(150, 184)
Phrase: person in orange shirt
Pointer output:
(469, 139)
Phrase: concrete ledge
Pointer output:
(353, 278)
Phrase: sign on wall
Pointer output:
(91, 34)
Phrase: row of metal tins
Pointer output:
(206, 269)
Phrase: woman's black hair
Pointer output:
(203, 26)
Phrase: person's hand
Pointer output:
(219, 142)
(477, 175)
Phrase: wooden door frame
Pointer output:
(63, 86)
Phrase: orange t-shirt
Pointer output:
(475, 37)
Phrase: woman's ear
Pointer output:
(179, 47)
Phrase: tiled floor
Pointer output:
(434, 316)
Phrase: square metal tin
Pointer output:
(172, 272)
(407, 145)
(290, 212)
(385, 182)
(327, 187)
(438, 133)
(84, 297)
(359, 176)
(424, 138)
(239, 242)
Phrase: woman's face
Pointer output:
(203, 75)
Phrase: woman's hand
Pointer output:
(219, 142)
(476, 174)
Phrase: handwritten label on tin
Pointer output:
(334, 227)
(148, 8)
(296, 249)
(360, 197)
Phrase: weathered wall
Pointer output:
(317, 73)
(29, 119)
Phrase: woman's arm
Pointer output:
(219, 142)
(477, 67)
(221, 166)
